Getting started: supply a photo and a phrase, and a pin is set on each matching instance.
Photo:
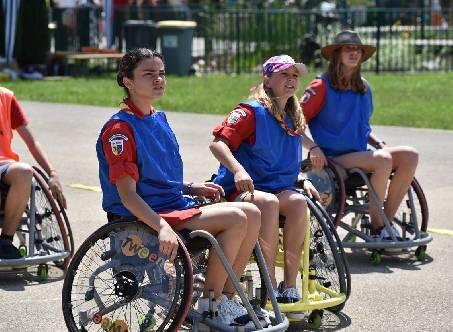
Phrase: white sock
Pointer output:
(203, 304)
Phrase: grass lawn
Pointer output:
(412, 100)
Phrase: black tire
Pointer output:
(172, 282)
(314, 205)
(59, 215)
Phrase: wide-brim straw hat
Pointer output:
(344, 38)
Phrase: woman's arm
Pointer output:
(317, 157)
(168, 241)
(41, 158)
(220, 150)
(374, 141)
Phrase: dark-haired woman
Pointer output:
(141, 175)
(338, 107)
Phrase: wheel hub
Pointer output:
(126, 285)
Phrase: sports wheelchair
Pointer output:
(325, 281)
(346, 196)
(119, 281)
(44, 232)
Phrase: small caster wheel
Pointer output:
(375, 258)
(146, 322)
(23, 250)
(420, 253)
(315, 318)
(43, 272)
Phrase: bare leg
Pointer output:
(294, 207)
(18, 177)
(379, 163)
(252, 231)
(405, 160)
(227, 224)
(269, 207)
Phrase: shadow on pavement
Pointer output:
(360, 261)
(330, 322)
(17, 280)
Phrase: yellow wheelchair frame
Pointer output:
(314, 296)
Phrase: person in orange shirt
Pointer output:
(16, 176)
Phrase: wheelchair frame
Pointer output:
(360, 208)
(194, 318)
(316, 297)
(40, 255)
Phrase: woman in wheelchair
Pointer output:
(338, 106)
(16, 176)
(259, 146)
(141, 174)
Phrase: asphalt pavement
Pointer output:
(401, 294)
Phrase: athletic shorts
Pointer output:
(173, 217)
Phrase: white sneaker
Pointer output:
(287, 294)
(386, 235)
(233, 313)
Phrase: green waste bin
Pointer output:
(176, 45)
(140, 34)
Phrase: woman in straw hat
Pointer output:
(338, 106)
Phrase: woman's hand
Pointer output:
(168, 241)
(56, 188)
(243, 181)
(317, 158)
(207, 189)
(311, 190)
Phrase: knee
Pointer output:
(20, 174)
(270, 203)
(253, 214)
(298, 205)
(237, 220)
(383, 161)
(410, 156)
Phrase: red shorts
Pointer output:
(176, 217)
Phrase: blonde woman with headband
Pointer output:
(259, 146)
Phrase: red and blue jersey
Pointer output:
(266, 151)
(151, 158)
(339, 121)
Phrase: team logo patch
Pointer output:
(308, 93)
(235, 115)
(117, 143)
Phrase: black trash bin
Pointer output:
(176, 45)
(140, 34)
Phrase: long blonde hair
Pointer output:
(292, 107)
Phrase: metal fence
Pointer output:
(239, 40)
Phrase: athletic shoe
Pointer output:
(287, 294)
(9, 251)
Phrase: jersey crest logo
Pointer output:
(117, 143)
(235, 115)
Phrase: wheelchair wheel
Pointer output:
(53, 231)
(417, 200)
(119, 281)
(330, 185)
(343, 280)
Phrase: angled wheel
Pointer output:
(53, 232)
(119, 279)
(327, 256)
(339, 246)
